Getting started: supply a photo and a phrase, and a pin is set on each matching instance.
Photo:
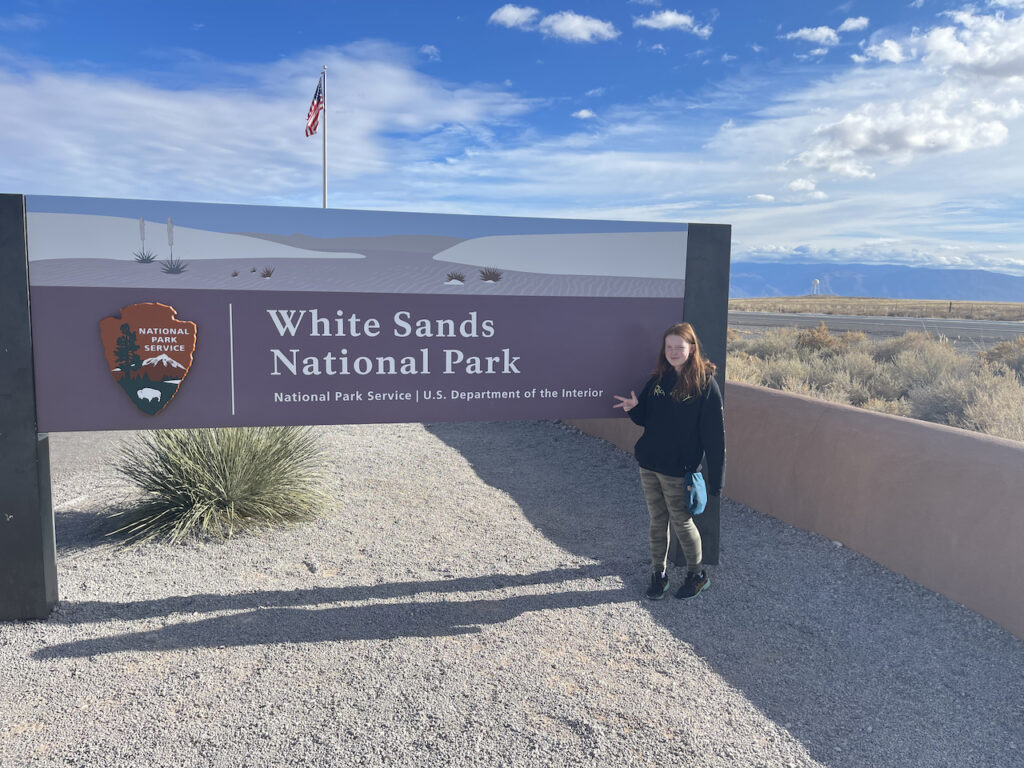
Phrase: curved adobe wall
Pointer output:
(942, 506)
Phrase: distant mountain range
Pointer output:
(760, 279)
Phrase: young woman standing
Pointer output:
(680, 409)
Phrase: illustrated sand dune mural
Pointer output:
(86, 250)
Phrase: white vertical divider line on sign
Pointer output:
(231, 353)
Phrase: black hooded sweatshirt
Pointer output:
(677, 435)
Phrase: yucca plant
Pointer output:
(214, 483)
(456, 277)
(267, 272)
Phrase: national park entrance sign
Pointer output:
(140, 314)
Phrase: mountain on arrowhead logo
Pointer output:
(149, 353)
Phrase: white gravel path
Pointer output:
(475, 599)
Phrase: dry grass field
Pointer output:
(913, 375)
(841, 305)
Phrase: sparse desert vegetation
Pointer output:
(457, 277)
(841, 305)
(914, 375)
(267, 272)
(144, 256)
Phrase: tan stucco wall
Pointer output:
(943, 506)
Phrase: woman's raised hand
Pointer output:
(626, 403)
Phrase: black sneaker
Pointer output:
(659, 586)
(695, 584)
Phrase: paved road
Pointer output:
(981, 332)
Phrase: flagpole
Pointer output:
(323, 116)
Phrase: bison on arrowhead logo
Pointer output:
(149, 353)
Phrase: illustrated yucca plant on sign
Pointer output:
(171, 265)
(214, 483)
(490, 274)
(143, 255)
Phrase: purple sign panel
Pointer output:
(332, 317)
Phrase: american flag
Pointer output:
(313, 118)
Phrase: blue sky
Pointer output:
(889, 132)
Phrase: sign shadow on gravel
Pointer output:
(295, 616)
(860, 664)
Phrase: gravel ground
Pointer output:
(475, 599)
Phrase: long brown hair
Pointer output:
(697, 370)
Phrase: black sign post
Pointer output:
(28, 561)
(705, 306)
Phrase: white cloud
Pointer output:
(121, 137)
(854, 24)
(817, 52)
(820, 35)
(944, 121)
(584, 114)
(756, 48)
(887, 50)
(674, 20)
(762, 198)
(432, 52)
(727, 57)
(991, 45)
(20, 22)
(917, 4)
(514, 16)
(595, 92)
(802, 185)
(567, 25)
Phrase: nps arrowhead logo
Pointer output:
(149, 353)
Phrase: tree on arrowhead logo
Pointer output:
(149, 353)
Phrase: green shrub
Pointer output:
(885, 351)
(784, 373)
(816, 339)
(776, 343)
(744, 368)
(213, 483)
(1010, 354)
(942, 401)
(998, 410)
